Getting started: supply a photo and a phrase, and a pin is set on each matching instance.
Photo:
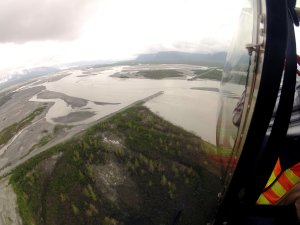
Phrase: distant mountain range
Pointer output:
(183, 57)
(214, 59)
(27, 74)
(86, 63)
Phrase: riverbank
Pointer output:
(118, 180)
(8, 204)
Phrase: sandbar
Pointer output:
(74, 117)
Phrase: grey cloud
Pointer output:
(37, 20)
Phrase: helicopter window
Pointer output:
(233, 87)
(118, 142)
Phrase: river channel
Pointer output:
(189, 104)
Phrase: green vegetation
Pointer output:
(59, 128)
(219, 65)
(199, 71)
(44, 140)
(134, 168)
(211, 75)
(237, 78)
(160, 74)
(7, 133)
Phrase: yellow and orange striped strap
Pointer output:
(285, 182)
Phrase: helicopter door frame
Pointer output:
(262, 90)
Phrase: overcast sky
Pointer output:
(50, 32)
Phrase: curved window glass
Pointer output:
(238, 71)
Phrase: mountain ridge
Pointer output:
(184, 57)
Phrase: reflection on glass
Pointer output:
(236, 72)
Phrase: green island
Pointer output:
(160, 74)
(237, 78)
(9, 132)
(211, 75)
(134, 168)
